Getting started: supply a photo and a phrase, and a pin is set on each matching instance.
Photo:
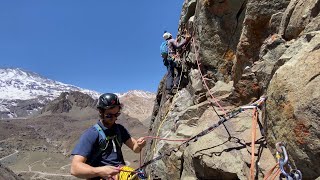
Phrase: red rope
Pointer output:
(140, 158)
(204, 81)
(165, 139)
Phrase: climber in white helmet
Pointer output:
(168, 50)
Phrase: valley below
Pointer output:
(40, 148)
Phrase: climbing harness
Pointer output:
(142, 174)
(282, 156)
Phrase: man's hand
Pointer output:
(188, 37)
(135, 145)
(141, 142)
(108, 171)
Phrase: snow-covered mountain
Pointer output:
(23, 85)
(23, 93)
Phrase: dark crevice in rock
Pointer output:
(242, 145)
(315, 76)
(316, 48)
(241, 10)
(204, 172)
(181, 166)
(190, 11)
(315, 11)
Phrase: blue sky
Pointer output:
(102, 45)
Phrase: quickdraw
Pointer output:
(282, 156)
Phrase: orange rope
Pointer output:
(269, 173)
(253, 140)
(277, 173)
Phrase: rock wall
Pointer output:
(247, 49)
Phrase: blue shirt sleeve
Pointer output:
(86, 143)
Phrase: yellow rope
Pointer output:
(124, 175)
(165, 117)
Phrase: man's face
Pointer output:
(110, 115)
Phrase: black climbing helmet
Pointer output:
(107, 101)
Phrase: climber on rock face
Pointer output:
(98, 153)
(168, 51)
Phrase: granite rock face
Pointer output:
(240, 51)
(293, 110)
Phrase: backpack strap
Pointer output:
(103, 138)
(104, 142)
(118, 138)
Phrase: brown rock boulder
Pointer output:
(256, 28)
(297, 16)
(293, 107)
(218, 27)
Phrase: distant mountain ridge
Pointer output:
(23, 93)
(16, 83)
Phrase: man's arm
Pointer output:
(183, 42)
(82, 170)
(135, 145)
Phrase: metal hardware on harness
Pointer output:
(142, 174)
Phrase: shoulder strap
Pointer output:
(119, 139)
(101, 138)
(100, 131)
(104, 141)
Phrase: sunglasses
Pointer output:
(112, 115)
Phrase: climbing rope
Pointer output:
(253, 140)
(204, 79)
(165, 139)
(128, 173)
(270, 172)
(255, 119)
